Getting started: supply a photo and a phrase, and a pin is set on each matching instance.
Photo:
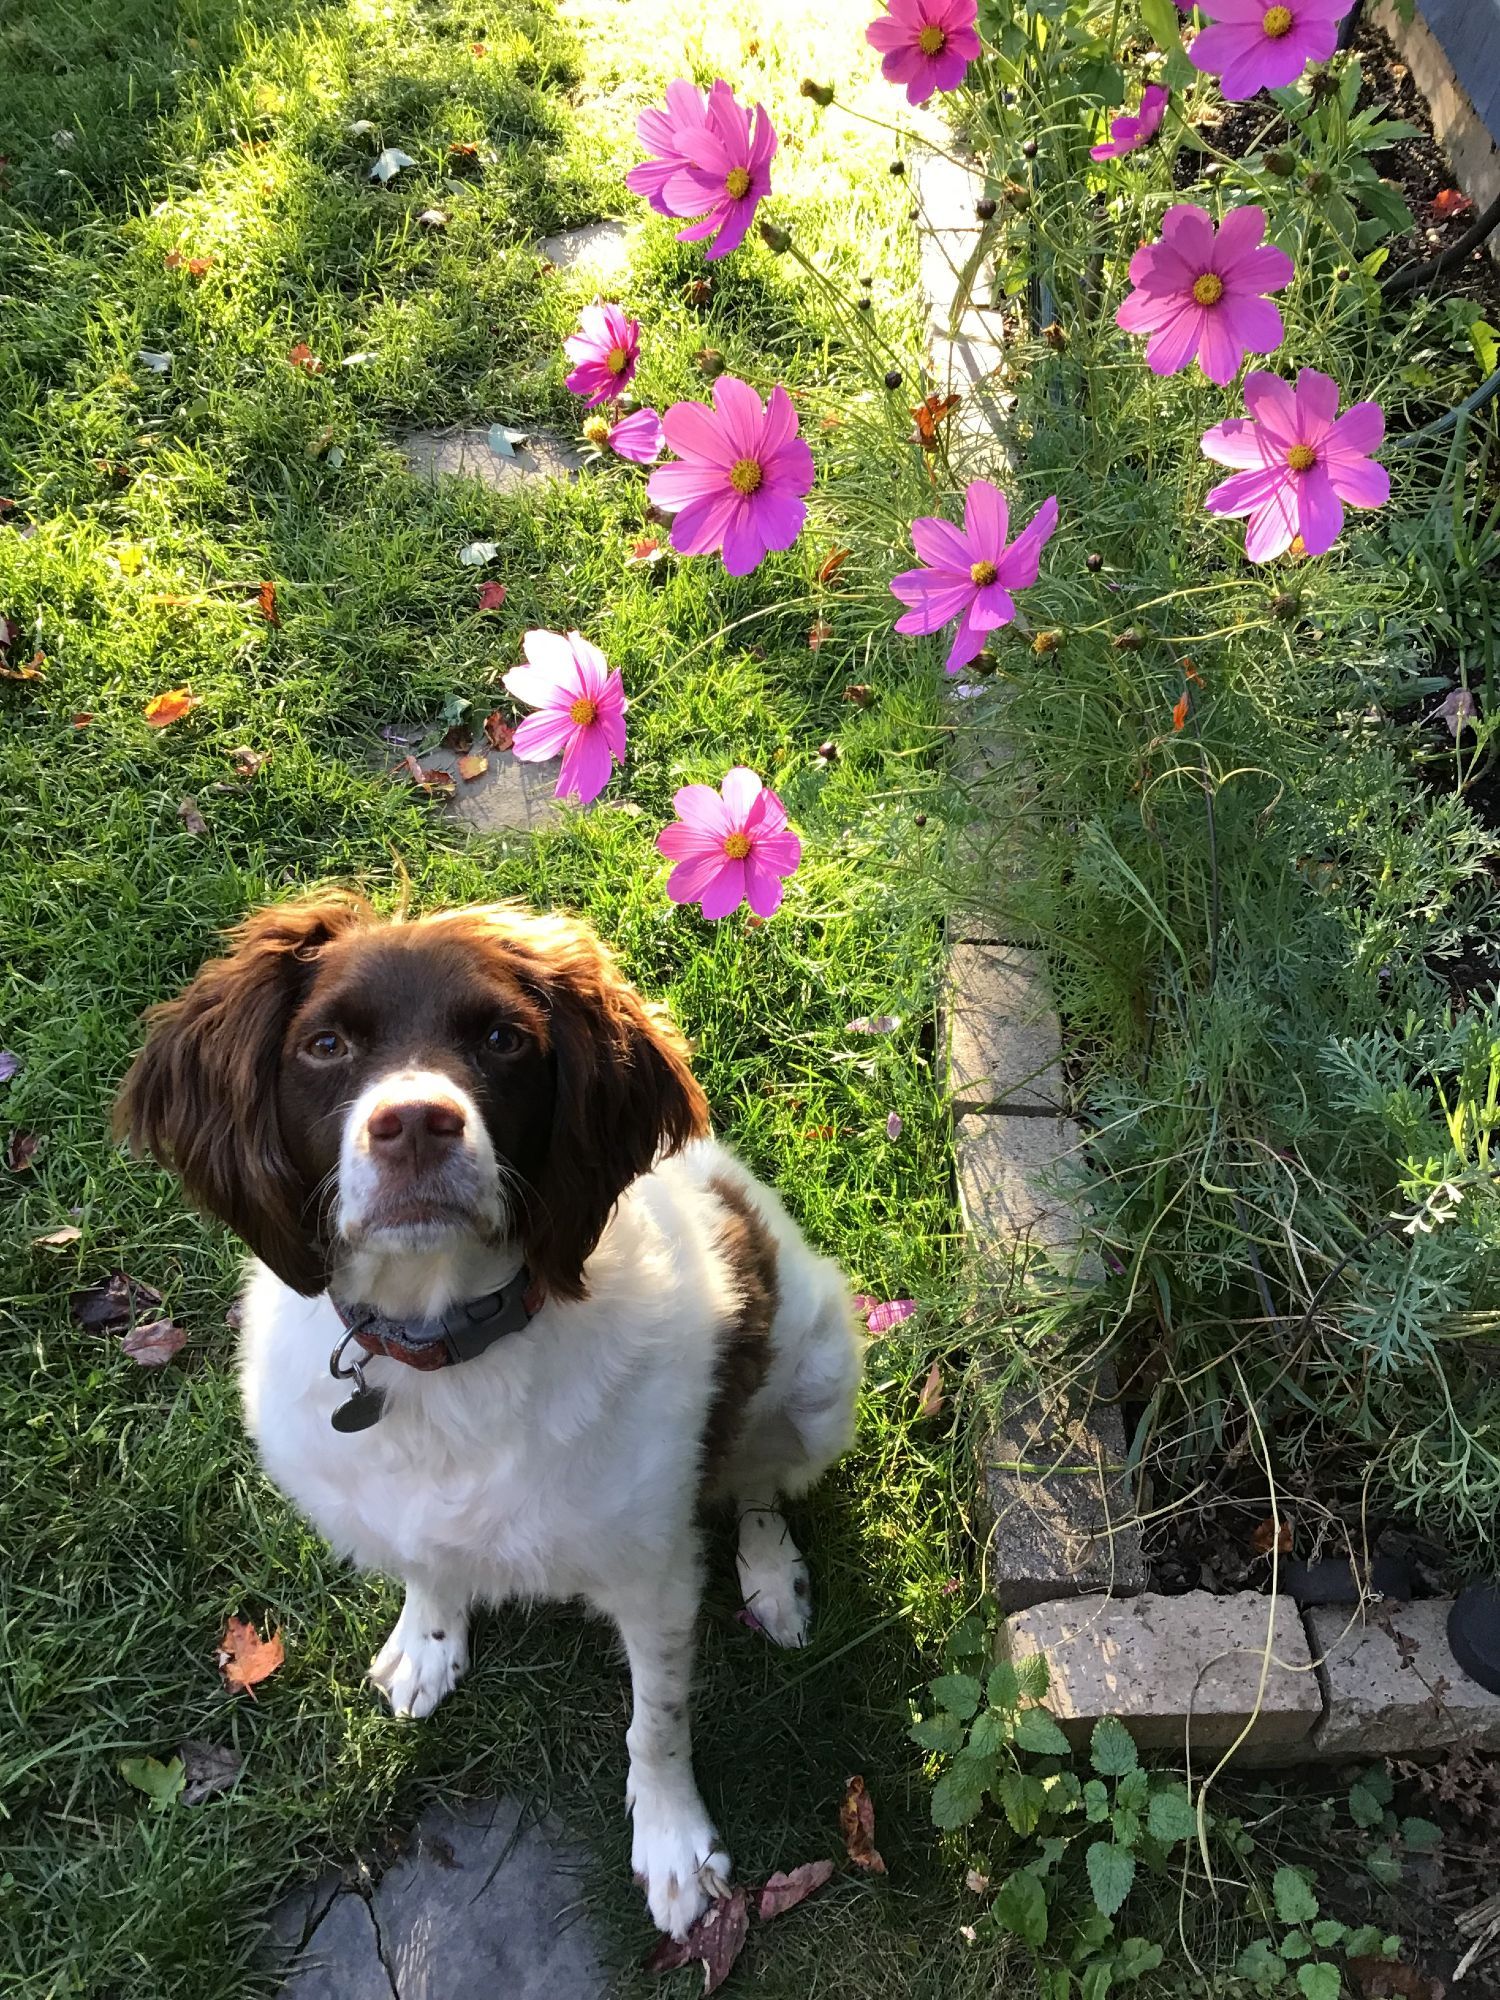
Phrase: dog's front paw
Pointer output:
(415, 1669)
(676, 1857)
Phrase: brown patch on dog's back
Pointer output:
(744, 1356)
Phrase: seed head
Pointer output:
(985, 207)
(820, 93)
(1129, 641)
(893, 378)
(1093, 564)
(1028, 149)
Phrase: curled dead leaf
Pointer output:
(1274, 1532)
(857, 1824)
(265, 603)
(154, 1344)
(472, 766)
(714, 1942)
(498, 733)
(459, 737)
(206, 1768)
(433, 780)
(21, 1150)
(83, 718)
(164, 709)
(245, 1659)
(246, 761)
(29, 670)
(58, 1239)
(1180, 713)
(301, 356)
(819, 634)
(491, 596)
(931, 1400)
(784, 1892)
(831, 564)
(190, 816)
(114, 1303)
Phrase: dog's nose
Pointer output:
(415, 1135)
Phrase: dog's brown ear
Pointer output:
(201, 1096)
(625, 1095)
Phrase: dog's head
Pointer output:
(339, 1086)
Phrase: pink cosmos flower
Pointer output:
(1299, 463)
(638, 437)
(580, 708)
(713, 161)
(606, 349)
(1131, 131)
(729, 845)
(1252, 47)
(925, 44)
(969, 576)
(741, 476)
(1198, 294)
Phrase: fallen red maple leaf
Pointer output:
(245, 1659)
(857, 1824)
(1448, 202)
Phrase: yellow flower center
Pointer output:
(737, 846)
(745, 477)
(596, 430)
(983, 573)
(583, 712)
(1301, 457)
(932, 41)
(617, 360)
(1209, 289)
(1299, 547)
(737, 183)
(1277, 21)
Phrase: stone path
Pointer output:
(483, 1906)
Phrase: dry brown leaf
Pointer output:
(198, 267)
(784, 1892)
(819, 633)
(715, 1942)
(29, 670)
(472, 766)
(1271, 1533)
(163, 709)
(153, 1345)
(857, 1824)
(21, 1150)
(498, 733)
(931, 1399)
(265, 603)
(114, 1303)
(246, 761)
(831, 564)
(58, 1239)
(172, 259)
(432, 780)
(245, 1659)
(929, 413)
(1387, 1979)
(459, 737)
(190, 816)
(301, 356)
(83, 718)
(206, 1768)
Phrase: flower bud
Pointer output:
(1055, 337)
(1129, 641)
(1046, 642)
(898, 168)
(596, 430)
(1280, 161)
(1028, 149)
(1093, 564)
(1343, 274)
(1019, 197)
(864, 304)
(820, 93)
(777, 241)
(919, 819)
(710, 362)
(1319, 182)
(985, 207)
(893, 378)
(1285, 604)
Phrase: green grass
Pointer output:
(148, 511)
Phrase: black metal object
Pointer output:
(1411, 275)
(1474, 1633)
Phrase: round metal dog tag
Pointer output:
(362, 1409)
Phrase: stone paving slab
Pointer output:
(483, 1906)
(1001, 1036)
(509, 797)
(1176, 1670)
(600, 250)
(1008, 1214)
(465, 454)
(1058, 1500)
(1393, 1687)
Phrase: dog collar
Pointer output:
(463, 1332)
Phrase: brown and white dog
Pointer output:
(515, 1313)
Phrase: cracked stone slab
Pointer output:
(489, 1906)
(599, 250)
(463, 453)
(341, 1960)
(298, 1914)
(1177, 1670)
(1057, 1493)
(1393, 1686)
(1001, 1036)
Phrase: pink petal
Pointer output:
(695, 877)
(1320, 513)
(1273, 405)
(693, 431)
(538, 689)
(1019, 564)
(1173, 346)
(992, 608)
(726, 891)
(1357, 432)
(986, 520)
(883, 1317)
(935, 602)
(1264, 270)
(1240, 443)
(941, 546)
(780, 852)
(762, 885)
(700, 526)
(1317, 398)
(744, 543)
(741, 788)
(741, 415)
(1187, 232)
(703, 809)
(1249, 491)
(542, 737)
(1359, 482)
(586, 767)
(1272, 526)
(1254, 324)
(1240, 233)
(1219, 352)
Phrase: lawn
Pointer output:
(192, 180)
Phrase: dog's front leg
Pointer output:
(428, 1652)
(675, 1849)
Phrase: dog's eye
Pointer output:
(502, 1040)
(326, 1047)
